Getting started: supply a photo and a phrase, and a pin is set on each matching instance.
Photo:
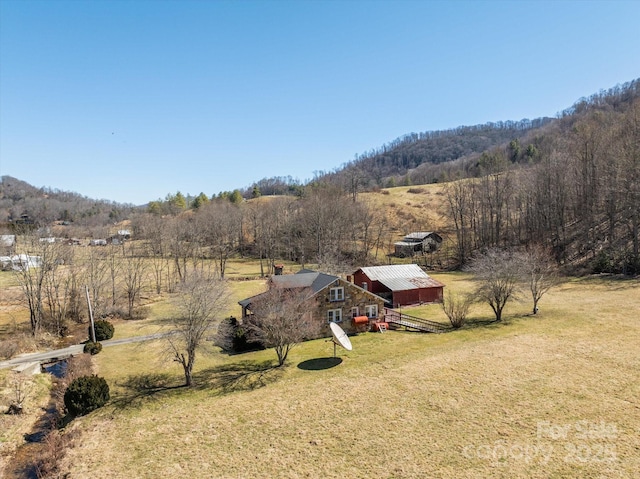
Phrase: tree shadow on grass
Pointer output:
(137, 389)
(238, 376)
(484, 324)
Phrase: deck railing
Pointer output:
(393, 316)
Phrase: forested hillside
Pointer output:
(570, 184)
(437, 156)
(42, 206)
(395, 163)
(578, 195)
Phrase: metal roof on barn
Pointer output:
(401, 277)
(418, 235)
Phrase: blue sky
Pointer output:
(131, 100)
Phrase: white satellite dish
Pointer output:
(339, 337)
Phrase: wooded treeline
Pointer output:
(323, 226)
(580, 196)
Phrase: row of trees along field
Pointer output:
(323, 226)
(581, 197)
(114, 277)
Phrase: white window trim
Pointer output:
(371, 308)
(355, 311)
(331, 318)
(336, 294)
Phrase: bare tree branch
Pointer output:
(199, 303)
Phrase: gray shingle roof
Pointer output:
(314, 280)
(302, 279)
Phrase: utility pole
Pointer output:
(93, 328)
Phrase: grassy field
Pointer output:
(11, 313)
(552, 395)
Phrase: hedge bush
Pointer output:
(92, 348)
(232, 338)
(104, 330)
(86, 394)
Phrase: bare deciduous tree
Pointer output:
(498, 274)
(280, 320)
(459, 200)
(36, 270)
(59, 291)
(21, 389)
(96, 271)
(539, 272)
(199, 303)
(182, 245)
(134, 272)
(456, 307)
(220, 227)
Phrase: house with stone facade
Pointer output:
(331, 299)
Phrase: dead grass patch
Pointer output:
(13, 428)
(482, 402)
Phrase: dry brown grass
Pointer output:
(14, 427)
(11, 312)
(423, 200)
(408, 209)
(553, 395)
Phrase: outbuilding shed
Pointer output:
(400, 285)
(419, 242)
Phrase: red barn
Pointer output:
(400, 285)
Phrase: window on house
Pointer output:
(355, 312)
(334, 315)
(336, 294)
(365, 286)
(371, 310)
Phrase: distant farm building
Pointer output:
(21, 262)
(23, 220)
(120, 237)
(7, 243)
(400, 285)
(417, 243)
